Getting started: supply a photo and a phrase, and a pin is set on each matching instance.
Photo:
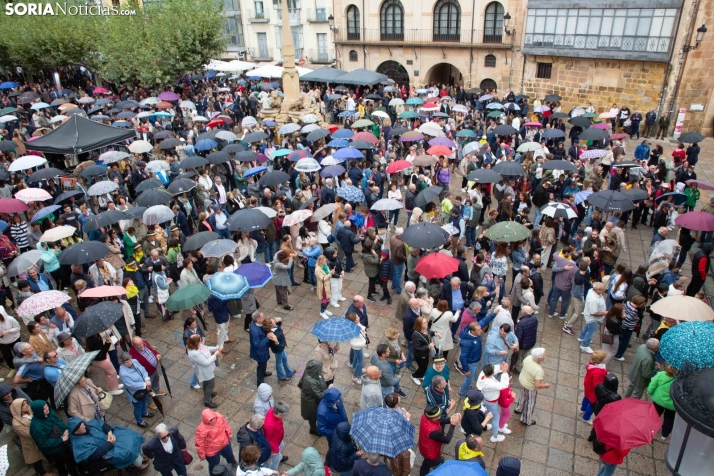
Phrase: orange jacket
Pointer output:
(212, 437)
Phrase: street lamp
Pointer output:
(331, 22)
(506, 20)
(700, 35)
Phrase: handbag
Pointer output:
(506, 397)
(141, 394)
(104, 399)
(606, 337)
(187, 458)
(324, 296)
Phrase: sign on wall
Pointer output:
(680, 122)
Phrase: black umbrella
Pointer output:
(307, 203)
(317, 134)
(84, 252)
(134, 213)
(690, 137)
(476, 91)
(157, 402)
(93, 170)
(559, 165)
(593, 133)
(197, 77)
(233, 149)
(148, 185)
(196, 242)
(155, 196)
(66, 195)
(636, 194)
(626, 164)
(7, 145)
(208, 135)
(167, 144)
(397, 131)
(611, 200)
(484, 176)
(276, 177)
(427, 195)
(168, 387)
(193, 162)
(107, 218)
(220, 157)
(129, 104)
(97, 318)
(181, 185)
(505, 130)
(341, 88)
(559, 115)
(553, 134)
(424, 235)
(187, 175)
(373, 96)
(362, 145)
(246, 156)
(163, 135)
(509, 168)
(580, 121)
(553, 98)
(44, 174)
(248, 219)
(255, 137)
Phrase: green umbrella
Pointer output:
(589, 115)
(466, 133)
(8, 110)
(362, 123)
(408, 115)
(494, 114)
(507, 231)
(187, 297)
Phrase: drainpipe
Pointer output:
(364, 46)
(693, 17)
(471, 50)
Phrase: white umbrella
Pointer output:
(26, 162)
(226, 135)
(8, 118)
(113, 156)
(248, 121)
(529, 147)
(271, 213)
(432, 129)
(156, 165)
(329, 160)
(144, 114)
(307, 165)
(288, 129)
(199, 119)
(381, 114)
(309, 128)
(460, 108)
(140, 146)
(57, 119)
(33, 195)
(309, 119)
(57, 233)
(39, 105)
(396, 102)
(101, 188)
(387, 204)
(150, 101)
(323, 211)
(683, 308)
(471, 147)
(298, 216)
(157, 214)
(187, 104)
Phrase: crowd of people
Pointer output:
(480, 318)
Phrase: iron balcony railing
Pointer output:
(417, 37)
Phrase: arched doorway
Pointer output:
(394, 71)
(489, 84)
(444, 73)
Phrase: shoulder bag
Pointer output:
(104, 399)
(606, 337)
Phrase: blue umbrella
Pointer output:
(494, 105)
(299, 154)
(275, 84)
(3, 225)
(342, 134)
(8, 85)
(162, 114)
(257, 274)
(580, 197)
(351, 193)
(332, 171)
(348, 153)
(121, 124)
(218, 248)
(458, 468)
(281, 152)
(679, 198)
(422, 91)
(690, 343)
(205, 144)
(44, 212)
(348, 114)
(270, 123)
(254, 78)
(227, 286)
(103, 101)
(100, 117)
(337, 329)
(338, 143)
(414, 102)
(382, 431)
(254, 171)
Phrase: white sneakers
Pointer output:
(324, 316)
(334, 304)
(151, 299)
(116, 392)
(586, 349)
(197, 387)
(342, 298)
(328, 312)
(416, 381)
(498, 439)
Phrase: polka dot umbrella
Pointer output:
(689, 343)
(98, 318)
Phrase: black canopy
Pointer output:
(360, 77)
(79, 134)
(325, 74)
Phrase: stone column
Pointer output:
(291, 82)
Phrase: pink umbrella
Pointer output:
(100, 91)
(442, 141)
(703, 184)
(296, 217)
(33, 195)
(602, 125)
(398, 166)
(697, 220)
(12, 205)
(41, 302)
(103, 291)
(534, 124)
(169, 96)
(618, 136)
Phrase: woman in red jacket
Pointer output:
(611, 459)
(213, 439)
(595, 374)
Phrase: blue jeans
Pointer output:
(410, 354)
(226, 452)
(139, 410)
(682, 258)
(311, 274)
(470, 236)
(394, 216)
(469, 379)
(397, 386)
(625, 336)
(588, 333)
(194, 380)
(349, 262)
(496, 412)
(291, 270)
(357, 361)
(224, 234)
(274, 461)
(409, 217)
(272, 248)
(397, 274)
(281, 365)
(553, 302)
(607, 469)
(537, 217)
(586, 407)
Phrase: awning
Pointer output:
(77, 135)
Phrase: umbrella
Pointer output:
(703, 184)
(424, 235)
(553, 134)
(307, 165)
(398, 166)
(558, 210)
(296, 217)
(157, 214)
(234, 149)
(192, 162)
(688, 344)
(246, 156)
(559, 115)
(25, 162)
(154, 196)
(397, 131)
(257, 274)
(505, 130)
(484, 176)
(196, 241)
(580, 122)
(255, 137)
(323, 212)
(611, 200)
(288, 129)
(362, 123)
(507, 231)
(187, 297)
(348, 153)
(148, 185)
(683, 308)
(226, 135)
(103, 291)
(181, 185)
(218, 157)
(593, 134)
(439, 150)
(382, 431)
(167, 144)
(249, 121)
(466, 133)
(97, 318)
(332, 171)
(464, 468)
(387, 204)
(23, 262)
(218, 248)
(338, 143)
(42, 213)
(113, 156)
(580, 197)
(44, 174)
(57, 233)
(362, 145)
(689, 137)
(431, 128)
(627, 423)
(425, 160)
(626, 164)
(340, 133)
(248, 219)
(437, 265)
(337, 329)
(276, 177)
(529, 147)
(101, 188)
(169, 96)
(205, 144)
(85, 252)
(227, 286)
(559, 165)
(308, 202)
(350, 192)
(411, 136)
(509, 168)
(696, 220)
(593, 154)
(140, 147)
(677, 198)
(365, 136)
(427, 195)
(553, 98)
(639, 194)
(318, 134)
(41, 302)
(72, 373)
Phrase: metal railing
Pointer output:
(321, 56)
(417, 37)
(317, 16)
(651, 44)
(294, 16)
(257, 55)
(258, 17)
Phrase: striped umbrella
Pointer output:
(43, 212)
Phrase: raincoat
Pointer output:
(330, 413)
(212, 438)
(120, 455)
(263, 400)
(313, 387)
(311, 464)
(46, 431)
(21, 425)
(49, 257)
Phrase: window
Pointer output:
(392, 21)
(320, 12)
(447, 20)
(263, 46)
(352, 23)
(259, 12)
(322, 55)
(353, 55)
(544, 70)
(490, 61)
(231, 5)
(493, 24)
(234, 31)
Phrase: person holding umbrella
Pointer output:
(137, 386)
(150, 359)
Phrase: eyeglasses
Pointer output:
(164, 437)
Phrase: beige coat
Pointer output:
(114, 257)
(323, 279)
(79, 404)
(21, 425)
(329, 364)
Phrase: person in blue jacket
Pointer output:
(38, 282)
(471, 344)
(259, 347)
(95, 443)
(344, 453)
(347, 240)
(527, 334)
(330, 413)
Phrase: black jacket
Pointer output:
(466, 292)
(328, 195)
(163, 461)
(347, 239)
(343, 453)
(409, 199)
(527, 331)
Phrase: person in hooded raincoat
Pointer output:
(312, 388)
(213, 439)
(263, 400)
(344, 453)
(51, 437)
(96, 443)
(21, 420)
(330, 413)
(311, 464)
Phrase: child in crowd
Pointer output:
(385, 272)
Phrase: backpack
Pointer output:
(244, 438)
(498, 194)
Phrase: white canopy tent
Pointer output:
(272, 71)
(234, 66)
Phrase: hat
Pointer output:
(475, 397)
(329, 250)
(432, 411)
(63, 336)
(439, 358)
(216, 207)
(151, 233)
(138, 245)
(174, 228)
(664, 185)
(131, 263)
(509, 466)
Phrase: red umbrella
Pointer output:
(13, 205)
(627, 423)
(215, 123)
(163, 105)
(431, 100)
(703, 184)
(697, 221)
(365, 136)
(100, 91)
(400, 165)
(439, 150)
(437, 265)
(618, 136)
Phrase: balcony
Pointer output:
(439, 37)
(258, 17)
(321, 56)
(257, 55)
(294, 16)
(317, 16)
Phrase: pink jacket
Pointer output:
(212, 437)
(274, 431)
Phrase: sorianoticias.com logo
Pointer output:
(71, 9)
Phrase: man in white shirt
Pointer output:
(219, 222)
(350, 103)
(594, 313)
(220, 189)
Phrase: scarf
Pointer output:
(204, 350)
(138, 256)
(325, 269)
(104, 275)
(95, 401)
(466, 454)
(131, 291)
